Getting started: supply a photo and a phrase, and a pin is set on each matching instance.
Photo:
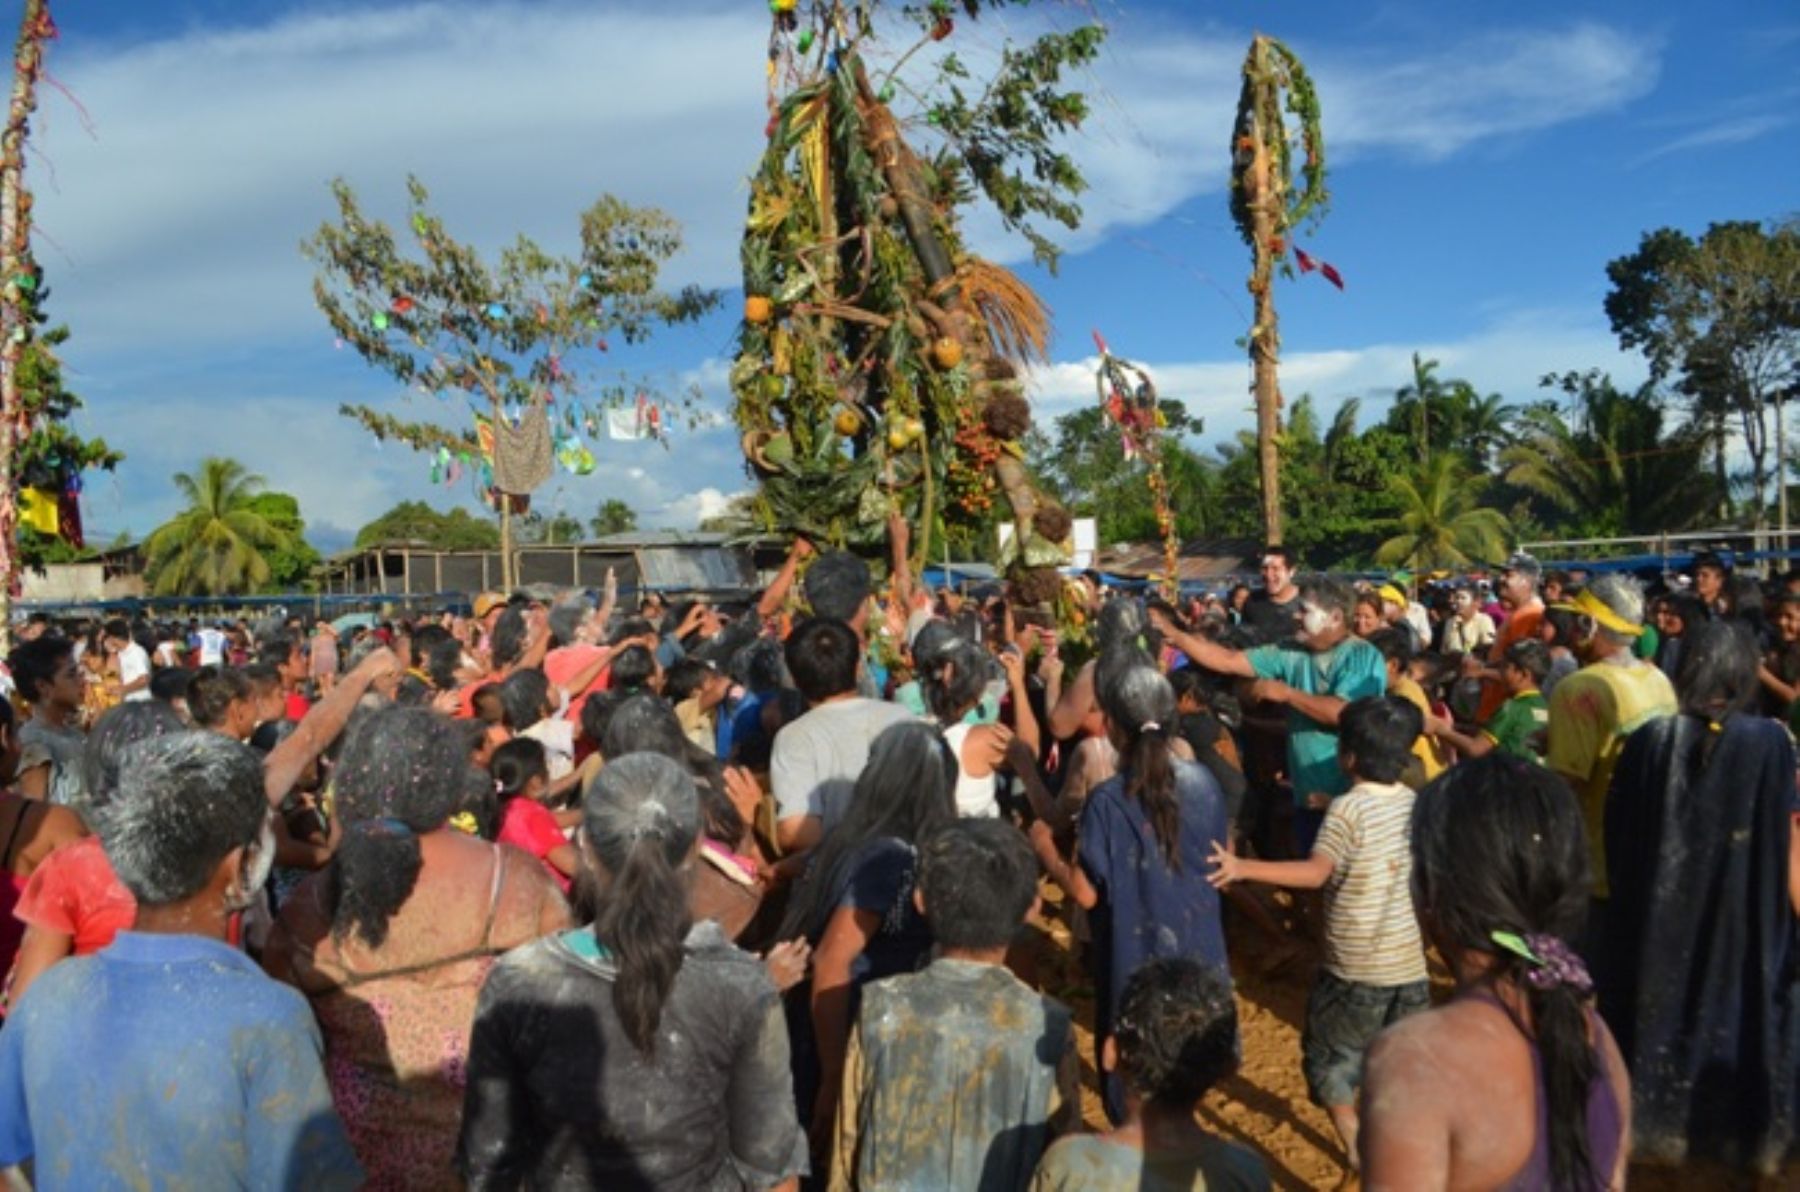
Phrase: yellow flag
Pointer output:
(37, 509)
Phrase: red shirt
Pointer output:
(532, 827)
(562, 664)
(297, 706)
(75, 893)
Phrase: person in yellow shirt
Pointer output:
(1595, 709)
(1396, 649)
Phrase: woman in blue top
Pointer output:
(1141, 850)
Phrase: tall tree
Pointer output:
(217, 545)
(877, 365)
(1724, 312)
(417, 522)
(293, 559)
(614, 517)
(1083, 462)
(1269, 208)
(527, 330)
(1605, 463)
(1439, 520)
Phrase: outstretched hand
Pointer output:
(786, 963)
(1225, 866)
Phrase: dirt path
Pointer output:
(1265, 1106)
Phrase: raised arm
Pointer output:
(322, 725)
(777, 592)
(1204, 652)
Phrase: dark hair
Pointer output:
(35, 663)
(632, 669)
(184, 803)
(1141, 706)
(271, 733)
(978, 879)
(565, 619)
(822, 656)
(629, 627)
(489, 693)
(1379, 731)
(597, 713)
(1716, 676)
(170, 684)
(116, 731)
(837, 586)
(1529, 655)
(1285, 553)
(646, 724)
(1329, 593)
(1565, 624)
(685, 679)
(1395, 644)
(524, 694)
(953, 678)
(212, 691)
(905, 793)
(506, 643)
(442, 660)
(117, 628)
(1498, 845)
(401, 773)
(262, 677)
(1176, 1031)
(641, 818)
(515, 763)
(758, 666)
(276, 650)
(1685, 607)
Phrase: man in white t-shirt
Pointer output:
(211, 644)
(133, 661)
(817, 758)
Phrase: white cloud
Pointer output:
(172, 238)
(1508, 357)
(1738, 131)
(690, 509)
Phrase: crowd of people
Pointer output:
(556, 892)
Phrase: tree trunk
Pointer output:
(15, 254)
(506, 544)
(1261, 183)
(1781, 476)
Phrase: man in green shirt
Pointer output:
(1518, 726)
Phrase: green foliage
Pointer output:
(50, 454)
(291, 561)
(1604, 464)
(1084, 465)
(219, 545)
(1449, 415)
(417, 522)
(613, 517)
(1723, 314)
(558, 529)
(1275, 81)
(1440, 521)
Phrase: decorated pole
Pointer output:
(1128, 400)
(1267, 207)
(16, 301)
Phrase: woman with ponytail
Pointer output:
(390, 942)
(1515, 1083)
(643, 1051)
(1142, 847)
(1703, 862)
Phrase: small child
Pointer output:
(959, 1075)
(1396, 650)
(521, 776)
(1374, 970)
(1177, 1036)
(1518, 725)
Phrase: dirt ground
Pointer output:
(1265, 1106)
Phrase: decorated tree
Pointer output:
(1269, 205)
(879, 359)
(519, 343)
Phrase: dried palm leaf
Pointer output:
(1017, 321)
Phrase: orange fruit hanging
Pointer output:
(758, 309)
(946, 353)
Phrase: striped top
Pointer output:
(1371, 933)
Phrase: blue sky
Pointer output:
(1486, 162)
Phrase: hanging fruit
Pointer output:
(946, 353)
(847, 422)
(758, 309)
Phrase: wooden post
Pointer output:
(1262, 190)
(506, 559)
(406, 570)
(35, 28)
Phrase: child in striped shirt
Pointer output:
(1374, 969)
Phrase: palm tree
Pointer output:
(214, 546)
(1608, 463)
(1440, 520)
(1412, 411)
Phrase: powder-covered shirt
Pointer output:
(956, 1077)
(1592, 712)
(168, 1061)
(1371, 930)
(1348, 671)
(1089, 1163)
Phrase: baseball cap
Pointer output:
(1523, 562)
(487, 602)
